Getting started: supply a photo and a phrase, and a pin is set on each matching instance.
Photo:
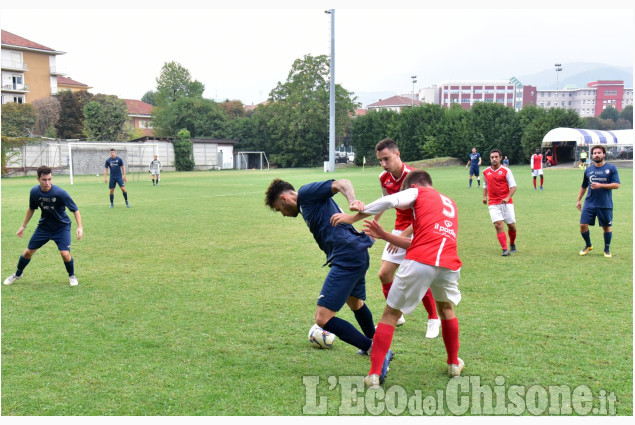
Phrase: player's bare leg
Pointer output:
(387, 271)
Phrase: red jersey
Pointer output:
(536, 162)
(392, 185)
(497, 182)
(436, 225)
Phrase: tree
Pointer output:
(299, 110)
(175, 82)
(627, 114)
(494, 125)
(610, 113)
(183, 151)
(150, 97)
(537, 122)
(48, 112)
(233, 108)
(201, 117)
(18, 119)
(367, 130)
(105, 117)
(70, 124)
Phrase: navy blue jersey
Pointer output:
(115, 165)
(343, 245)
(474, 157)
(599, 198)
(53, 205)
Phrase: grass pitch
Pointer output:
(197, 301)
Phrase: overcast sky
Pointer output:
(243, 53)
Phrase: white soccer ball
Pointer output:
(319, 338)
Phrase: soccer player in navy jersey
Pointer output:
(54, 224)
(600, 178)
(117, 176)
(474, 162)
(346, 252)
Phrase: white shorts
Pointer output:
(412, 281)
(537, 172)
(502, 212)
(398, 256)
(155, 172)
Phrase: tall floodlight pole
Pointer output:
(332, 96)
(558, 69)
(414, 80)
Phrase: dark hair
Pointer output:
(386, 143)
(112, 150)
(497, 151)
(275, 189)
(417, 177)
(42, 170)
(598, 147)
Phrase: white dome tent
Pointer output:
(567, 143)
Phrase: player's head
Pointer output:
(156, 156)
(418, 178)
(495, 157)
(113, 153)
(388, 155)
(282, 197)
(474, 149)
(45, 177)
(598, 153)
(537, 150)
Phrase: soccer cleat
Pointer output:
(11, 279)
(363, 353)
(455, 369)
(513, 249)
(506, 253)
(542, 188)
(385, 367)
(401, 321)
(535, 188)
(586, 250)
(112, 206)
(73, 280)
(127, 205)
(607, 254)
(372, 381)
(433, 328)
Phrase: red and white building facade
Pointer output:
(467, 93)
(589, 101)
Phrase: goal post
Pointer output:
(251, 160)
(89, 158)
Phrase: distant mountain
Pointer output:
(578, 74)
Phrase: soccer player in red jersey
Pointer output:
(500, 186)
(391, 179)
(431, 263)
(536, 168)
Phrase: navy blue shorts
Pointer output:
(604, 215)
(343, 282)
(473, 171)
(61, 237)
(115, 181)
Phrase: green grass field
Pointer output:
(197, 301)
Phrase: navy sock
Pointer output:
(125, 196)
(70, 267)
(347, 333)
(365, 319)
(112, 198)
(607, 241)
(587, 237)
(22, 263)
(470, 182)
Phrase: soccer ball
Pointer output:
(319, 338)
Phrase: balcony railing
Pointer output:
(55, 71)
(14, 65)
(19, 88)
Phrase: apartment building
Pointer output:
(588, 101)
(29, 69)
(467, 92)
(140, 116)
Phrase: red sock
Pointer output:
(534, 182)
(512, 237)
(450, 332)
(502, 239)
(430, 305)
(542, 179)
(381, 344)
(385, 287)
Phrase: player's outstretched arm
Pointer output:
(27, 218)
(343, 218)
(105, 175)
(373, 229)
(80, 230)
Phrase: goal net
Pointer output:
(251, 160)
(85, 158)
